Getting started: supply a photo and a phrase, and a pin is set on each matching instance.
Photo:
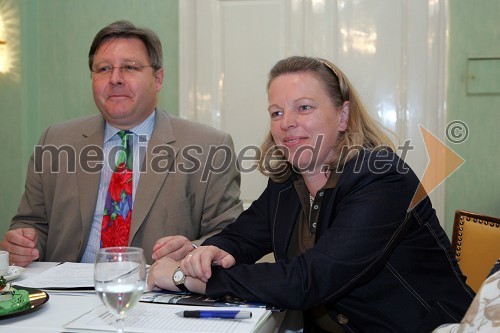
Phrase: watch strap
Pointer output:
(182, 287)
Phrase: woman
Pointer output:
(349, 251)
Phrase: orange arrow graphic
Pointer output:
(443, 161)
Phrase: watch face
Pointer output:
(178, 276)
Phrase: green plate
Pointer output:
(37, 298)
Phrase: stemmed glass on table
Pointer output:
(120, 279)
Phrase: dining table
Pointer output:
(62, 308)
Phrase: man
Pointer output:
(182, 184)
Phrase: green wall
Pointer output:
(50, 80)
(474, 31)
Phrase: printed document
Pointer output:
(68, 275)
(156, 318)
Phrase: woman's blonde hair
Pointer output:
(362, 132)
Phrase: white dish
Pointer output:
(14, 272)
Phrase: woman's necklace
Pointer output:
(311, 199)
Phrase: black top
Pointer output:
(375, 265)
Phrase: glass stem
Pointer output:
(120, 325)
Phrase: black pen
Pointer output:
(220, 314)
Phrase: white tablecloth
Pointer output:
(60, 309)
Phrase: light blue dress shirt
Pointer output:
(141, 135)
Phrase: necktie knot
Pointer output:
(126, 152)
(123, 133)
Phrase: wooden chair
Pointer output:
(476, 244)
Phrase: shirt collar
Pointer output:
(144, 128)
(330, 183)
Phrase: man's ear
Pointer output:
(159, 78)
(344, 116)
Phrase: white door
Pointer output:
(393, 51)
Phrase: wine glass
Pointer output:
(119, 279)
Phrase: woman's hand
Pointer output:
(160, 276)
(198, 264)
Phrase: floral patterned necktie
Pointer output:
(118, 207)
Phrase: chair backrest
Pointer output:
(476, 243)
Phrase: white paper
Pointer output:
(68, 275)
(155, 318)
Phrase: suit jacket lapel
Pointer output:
(287, 210)
(160, 156)
(88, 182)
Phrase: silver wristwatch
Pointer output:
(179, 279)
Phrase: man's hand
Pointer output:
(173, 247)
(21, 244)
(198, 264)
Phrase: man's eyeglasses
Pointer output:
(125, 69)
